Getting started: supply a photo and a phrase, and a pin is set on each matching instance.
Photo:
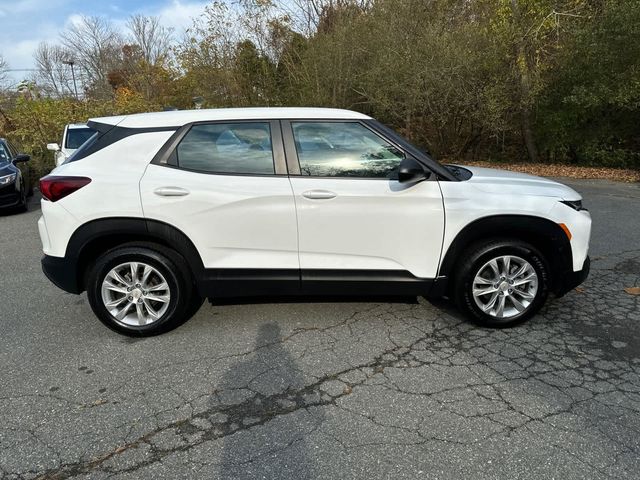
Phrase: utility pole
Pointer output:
(71, 63)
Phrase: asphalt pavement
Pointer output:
(356, 389)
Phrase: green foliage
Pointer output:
(591, 109)
(547, 80)
(32, 123)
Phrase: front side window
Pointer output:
(344, 149)
(242, 148)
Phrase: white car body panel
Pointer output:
(235, 221)
(504, 182)
(115, 173)
(579, 224)
(370, 224)
(182, 117)
(496, 192)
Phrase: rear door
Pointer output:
(355, 220)
(224, 185)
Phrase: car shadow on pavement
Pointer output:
(268, 418)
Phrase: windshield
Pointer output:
(77, 136)
(4, 154)
(85, 146)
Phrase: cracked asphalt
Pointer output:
(366, 388)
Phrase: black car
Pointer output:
(15, 181)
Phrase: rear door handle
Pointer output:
(171, 191)
(319, 194)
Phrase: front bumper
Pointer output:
(9, 196)
(571, 280)
(62, 273)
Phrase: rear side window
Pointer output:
(240, 148)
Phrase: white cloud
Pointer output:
(179, 15)
(74, 19)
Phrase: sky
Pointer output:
(26, 23)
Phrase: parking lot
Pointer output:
(365, 388)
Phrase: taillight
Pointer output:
(54, 188)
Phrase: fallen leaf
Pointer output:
(556, 170)
(579, 289)
(632, 290)
(347, 389)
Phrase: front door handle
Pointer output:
(171, 191)
(319, 194)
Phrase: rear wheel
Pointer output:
(502, 283)
(140, 291)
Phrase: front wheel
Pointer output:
(24, 202)
(502, 283)
(139, 291)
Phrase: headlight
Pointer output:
(575, 204)
(7, 179)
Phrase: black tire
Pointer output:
(24, 202)
(475, 257)
(168, 263)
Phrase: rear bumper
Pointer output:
(571, 280)
(62, 273)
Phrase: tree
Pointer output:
(4, 67)
(54, 74)
(153, 40)
(145, 67)
(533, 34)
(97, 50)
(591, 111)
(308, 15)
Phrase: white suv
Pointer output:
(158, 211)
(74, 135)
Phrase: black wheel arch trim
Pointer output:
(540, 232)
(99, 235)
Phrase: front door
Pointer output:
(354, 218)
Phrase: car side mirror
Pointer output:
(412, 171)
(54, 147)
(21, 157)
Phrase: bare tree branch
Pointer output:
(97, 50)
(54, 75)
(153, 39)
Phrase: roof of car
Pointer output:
(77, 125)
(178, 118)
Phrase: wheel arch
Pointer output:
(542, 233)
(97, 236)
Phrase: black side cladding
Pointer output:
(106, 134)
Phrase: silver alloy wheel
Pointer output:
(505, 286)
(135, 294)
